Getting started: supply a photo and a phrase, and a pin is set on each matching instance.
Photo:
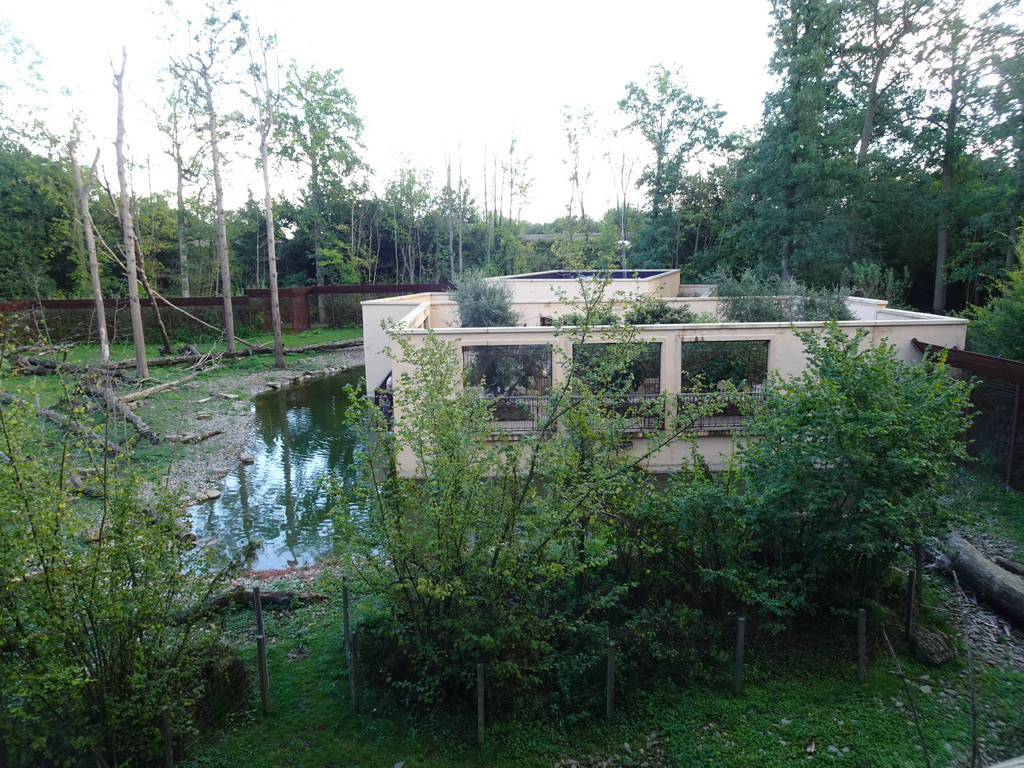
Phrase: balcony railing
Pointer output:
(729, 412)
(641, 413)
(523, 413)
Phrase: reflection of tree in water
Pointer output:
(299, 440)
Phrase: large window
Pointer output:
(631, 375)
(514, 379)
(508, 370)
(628, 369)
(723, 380)
(709, 365)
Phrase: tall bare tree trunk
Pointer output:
(90, 246)
(267, 102)
(180, 219)
(128, 230)
(222, 233)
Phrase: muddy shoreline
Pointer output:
(201, 468)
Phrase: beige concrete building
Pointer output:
(674, 355)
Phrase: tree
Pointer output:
(266, 100)
(221, 35)
(187, 168)
(128, 230)
(97, 630)
(679, 128)
(322, 132)
(847, 464)
(879, 66)
(485, 303)
(89, 236)
(788, 187)
(502, 552)
(36, 214)
(995, 328)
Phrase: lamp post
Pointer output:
(624, 245)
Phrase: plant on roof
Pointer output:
(484, 303)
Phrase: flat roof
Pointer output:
(570, 274)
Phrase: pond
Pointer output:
(280, 500)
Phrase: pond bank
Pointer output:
(220, 405)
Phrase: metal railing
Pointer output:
(729, 412)
(641, 413)
(523, 413)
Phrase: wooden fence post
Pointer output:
(165, 726)
(741, 632)
(862, 621)
(610, 693)
(480, 704)
(353, 671)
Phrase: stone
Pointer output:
(204, 401)
(932, 647)
(246, 458)
(274, 384)
(926, 689)
(212, 493)
(228, 396)
(203, 416)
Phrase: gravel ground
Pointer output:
(196, 471)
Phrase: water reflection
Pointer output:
(280, 499)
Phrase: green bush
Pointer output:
(750, 298)
(649, 310)
(96, 632)
(484, 303)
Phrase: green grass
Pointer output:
(167, 412)
(792, 697)
(90, 353)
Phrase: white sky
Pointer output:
(429, 77)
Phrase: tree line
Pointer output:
(893, 139)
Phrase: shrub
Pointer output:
(484, 303)
(94, 637)
(649, 310)
(751, 298)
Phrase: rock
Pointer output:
(932, 647)
(204, 401)
(274, 384)
(246, 458)
(228, 396)
(926, 689)
(212, 493)
(203, 416)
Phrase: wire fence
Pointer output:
(991, 440)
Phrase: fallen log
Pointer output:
(67, 423)
(142, 394)
(79, 485)
(1009, 565)
(115, 406)
(273, 597)
(244, 597)
(240, 353)
(1002, 589)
